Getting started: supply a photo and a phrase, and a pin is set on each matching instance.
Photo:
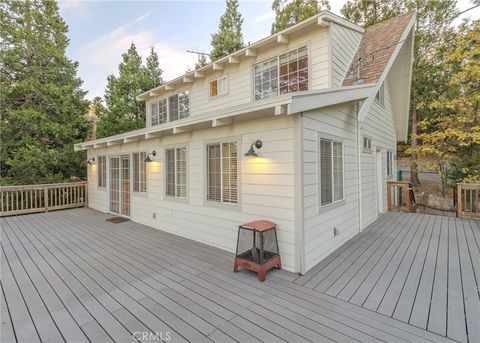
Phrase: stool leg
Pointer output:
(261, 275)
(235, 266)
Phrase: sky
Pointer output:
(100, 31)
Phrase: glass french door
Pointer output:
(120, 185)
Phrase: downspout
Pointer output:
(298, 182)
(359, 160)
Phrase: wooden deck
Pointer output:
(72, 276)
(419, 269)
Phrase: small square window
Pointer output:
(218, 87)
(367, 144)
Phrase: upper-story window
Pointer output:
(159, 112)
(291, 76)
(218, 86)
(380, 96)
(294, 71)
(179, 106)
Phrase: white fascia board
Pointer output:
(181, 125)
(368, 103)
(329, 97)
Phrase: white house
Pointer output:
(327, 99)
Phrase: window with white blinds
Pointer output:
(389, 163)
(331, 171)
(102, 171)
(176, 172)
(139, 172)
(222, 172)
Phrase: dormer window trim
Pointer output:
(281, 70)
(380, 96)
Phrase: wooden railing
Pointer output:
(16, 200)
(400, 196)
(468, 200)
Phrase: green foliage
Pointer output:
(42, 105)
(202, 61)
(452, 136)
(289, 13)
(229, 37)
(124, 113)
(369, 12)
(152, 69)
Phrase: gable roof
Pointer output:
(377, 46)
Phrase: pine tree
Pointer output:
(229, 37)
(152, 69)
(289, 13)
(202, 61)
(369, 12)
(124, 113)
(451, 138)
(42, 105)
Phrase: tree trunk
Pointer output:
(413, 165)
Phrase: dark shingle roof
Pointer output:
(377, 45)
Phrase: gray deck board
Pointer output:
(111, 280)
(425, 272)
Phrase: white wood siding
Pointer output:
(266, 186)
(345, 43)
(240, 76)
(319, 223)
(379, 125)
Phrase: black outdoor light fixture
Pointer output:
(251, 152)
(91, 161)
(153, 153)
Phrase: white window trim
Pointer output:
(167, 103)
(104, 187)
(221, 204)
(392, 168)
(133, 174)
(175, 197)
(380, 95)
(277, 57)
(364, 149)
(333, 204)
(224, 77)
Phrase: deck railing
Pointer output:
(16, 200)
(468, 200)
(400, 196)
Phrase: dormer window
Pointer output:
(179, 106)
(218, 87)
(159, 112)
(380, 97)
(287, 73)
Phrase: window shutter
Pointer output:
(181, 176)
(325, 171)
(154, 113)
(337, 171)
(229, 172)
(170, 171)
(214, 182)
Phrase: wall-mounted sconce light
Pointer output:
(251, 152)
(149, 159)
(91, 161)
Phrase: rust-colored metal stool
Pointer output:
(257, 248)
